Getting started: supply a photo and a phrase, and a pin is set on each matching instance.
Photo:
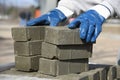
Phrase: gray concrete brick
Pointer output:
(27, 63)
(63, 52)
(63, 67)
(93, 75)
(118, 71)
(77, 66)
(56, 67)
(103, 73)
(29, 48)
(47, 66)
(72, 77)
(111, 73)
(62, 36)
(117, 79)
(28, 33)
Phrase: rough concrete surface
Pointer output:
(72, 77)
(63, 52)
(102, 73)
(118, 71)
(27, 63)
(112, 73)
(56, 67)
(29, 48)
(62, 36)
(28, 33)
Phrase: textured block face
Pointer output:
(66, 51)
(29, 48)
(56, 67)
(27, 63)
(62, 67)
(19, 33)
(118, 71)
(28, 33)
(47, 66)
(21, 48)
(111, 73)
(72, 77)
(78, 66)
(103, 73)
(62, 36)
(48, 50)
(94, 75)
(75, 51)
(36, 33)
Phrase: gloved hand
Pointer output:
(53, 18)
(90, 25)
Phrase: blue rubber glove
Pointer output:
(90, 25)
(53, 18)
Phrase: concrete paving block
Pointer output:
(63, 67)
(118, 71)
(63, 52)
(103, 73)
(28, 33)
(62, 36)
(72, 77)
(56, 67)
(27, 63)
(117, 79)
(77, 66)
(47, 66)
(29, 48)
(92, 74)
(111, 73)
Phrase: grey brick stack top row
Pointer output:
(50, 50)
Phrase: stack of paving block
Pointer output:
(27, 47)
(50, 50)
(63, 52)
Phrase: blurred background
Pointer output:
(17, 12)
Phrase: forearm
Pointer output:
(70, 7)
(116, 6)
(104, 9)
(108, 8)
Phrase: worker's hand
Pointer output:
(90, 25)
(53, 18)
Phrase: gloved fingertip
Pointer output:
(82, 36)
(87, 40)
(71, 26)
(28, 24)
(53, 25)
(93, 39)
